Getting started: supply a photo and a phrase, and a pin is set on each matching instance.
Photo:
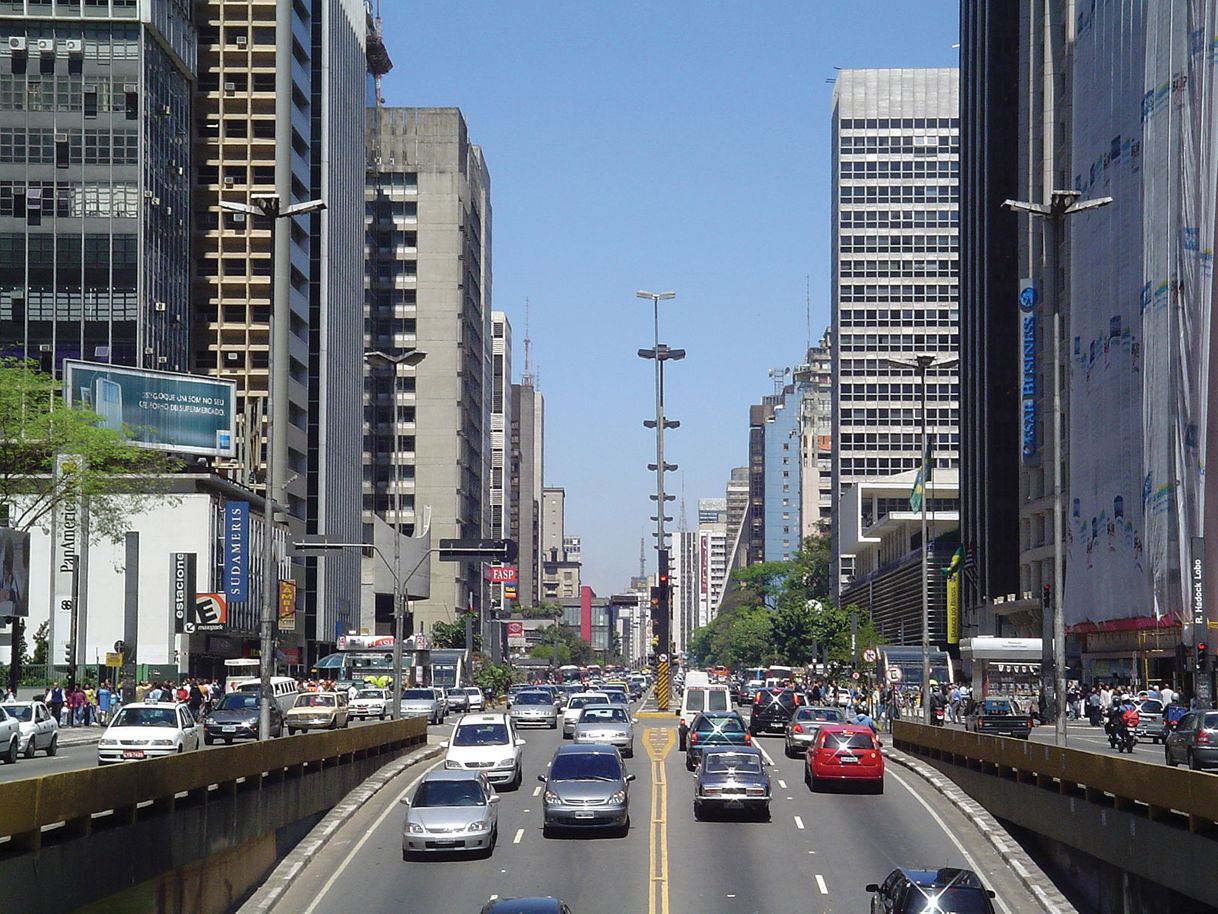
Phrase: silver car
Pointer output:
(609, 724)
(451, 811)
(421, 703)
(39, 730)
(805, 723)
(587, 787)
(732, 778)
(534, 709)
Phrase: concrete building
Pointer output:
(95, 176)
(816, 439)
(711, 558)
(573, 548)
(560, 579)
(553, 522)
(527, 452)
(782, 441)
(895, 273)
(752, 535)
(428, 194)
(501, 426)
(683, 576)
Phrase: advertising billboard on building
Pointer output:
(162, 410)
(236, 550)
(287, 606)
(14, 573)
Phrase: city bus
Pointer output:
(363, 657)
(901, 665)
(569, 673)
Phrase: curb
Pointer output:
(267, 895)
(1050, 899)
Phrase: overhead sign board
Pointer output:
(186, 414)
(500, 574)
(515, 634)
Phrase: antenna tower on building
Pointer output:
(526, 375)
(642, 556)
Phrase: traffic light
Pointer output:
(1046, 597)
(1202, 654)
(69, 653)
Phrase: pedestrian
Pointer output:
(56, 701)
(76, 700)
(953, 708)
(103, 703)
(90, 698)
(194, 699)
(1166, 695)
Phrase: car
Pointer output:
(535, 905)
(318, 711)
(421, 703)
(514, 690)
(844, 753)
(457, 700)
(475, 700)
(10, 737)
(608, 723)
(915, 891)
(638, 685)
(806, 723)
(715, 728)
(1194, 741)
(575, 704)
(451, 811)
(369, 703)
(998, 715)
(1150, 720)
(695, 700)
(148, 729)
(39, 730)
(772, 710)
(552, 691)
(587, 786)
(732, 778)
(617, 697)
(486, 743)
(534, 708)
(442, 701)
(236, 717)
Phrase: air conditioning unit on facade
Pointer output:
(229, 181)
(160, 306)
(74, 46)
(46, 45)
(230, 88)
(16, 44)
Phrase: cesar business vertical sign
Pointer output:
(236, 550)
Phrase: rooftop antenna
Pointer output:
(642, 556)
(526, 376)
(808, 307)
(779, 377)
(683, 528)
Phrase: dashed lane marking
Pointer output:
(820, 884)
(537, 791)
(519, 836)
(799, 823)
(782, 783)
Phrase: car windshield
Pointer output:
(449, 793)
(722, 762)
(585, 766)
(20, 712)
(418, 695)
(481, 735)
(369, 693)
(824, 714)
(580, 700)
(146, 717)
(314, 700)
(238, 701)
(601, 715)
(534, 698)
(846, 741)
(938, 900)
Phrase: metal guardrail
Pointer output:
(76, 801)
(1156, 791)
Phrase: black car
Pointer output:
(772, 710)
(907, 891)
(236, 717)
(525, 906)
(714, 728)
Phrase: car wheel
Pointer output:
(54, 747)
(689, 763)
(30, 748)
(382, 717)
(1192, 762)
(547, 830)
(879, 786)
(789, 752)
(697, 811)
(11, 755)
(681, 744)
(765, 813)
(208, 739)
(1168, 758)
(405, 856)
(807, 775)
(181, 748)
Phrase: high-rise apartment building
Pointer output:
(501, 426)
(895, 272)
(95, 177)
(737, 512)
(816, 439)
(553, 522)
(782, 439)
(683, 576)
(711, 558)
(429, 287)
(527, 427)
(752, 537)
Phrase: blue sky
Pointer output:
(669, 145)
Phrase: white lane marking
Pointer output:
(820, 884)
(519, 835)
(765, 755)
(799, 823)
(368, 834)
(537, 791)
(947, 831)
(782, 783)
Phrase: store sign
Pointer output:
(500, 574)
(1028, 387)
(211, 613)
(287, 606)
(236, 550)
(515, 634)
(953, 609)
(181, 588)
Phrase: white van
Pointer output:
(284, 688)
(698, 699)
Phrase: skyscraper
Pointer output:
(816, 438)
(894, 260)
(711, 558)
(683, 576)
(501, 426)
(528, 421)
(429, 279)
(95, 126)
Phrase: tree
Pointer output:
(794, 632)
(452, 634)
(764, 581)
(41, 634)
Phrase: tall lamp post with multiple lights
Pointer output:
(1062, 203)
(660, 354)
(269, 207)
(922, 364)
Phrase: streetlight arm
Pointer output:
(245, 208)
(299, 209)
(1087, 204)
(1022, 206)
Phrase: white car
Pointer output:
(148, 729)
(370, 703)
(487, 743)
(39, 730)
(575, 705)
(474, 699)
(10, 737)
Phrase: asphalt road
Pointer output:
(1081, 735)
(815, 855)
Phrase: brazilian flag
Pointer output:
(953, 566)
(920, 481)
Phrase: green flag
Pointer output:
(954, 565)
(924, 476)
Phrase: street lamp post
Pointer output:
(921, 365)
(1062, 203)
(268, 206)
(378, 359)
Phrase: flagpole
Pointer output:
(923, 365)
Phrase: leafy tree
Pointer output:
(764, 581)
(41, 634)
(749, 641)
(794, 631)
(452, 634)
(491, 678)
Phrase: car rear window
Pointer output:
(480, 735)
(847, 741)
(823, 714)
(945, 901)
(765, 699)
(415, 694)
(722, 724)
(1211, 721)
(590, 766)
(534, 698)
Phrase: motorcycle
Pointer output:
(936, 717)
(1121, 737)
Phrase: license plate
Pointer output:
(446, 843)
(229, 728)
(133, 753)
(849, 760)
(584, 815)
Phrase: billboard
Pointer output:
(287, 606)
(211, 613)
(499, 574)
(14, 573)
(236, 550)
(515, 634)
(161, 410)
(182, 567)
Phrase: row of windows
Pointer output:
(860, 293)
(896, 441)
(68, 303)
(238, 35)
(900, 269)
(861, 368)
(858, 467)
(893, 244)
(93, 251)
(898, 145)
(69, 199)
(869, 393)
(102, 43)
(261, 128)
(898, 317)
(906, 123)
(898, 219)
(890, 169)
(905, 342)
(925, 193)
(899, 416)
(391, 180)
(47, 146)
(240, 82)
(886, 506)
(68, 93)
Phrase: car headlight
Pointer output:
(162, 742)
(619, 797)
(551, 797)
(480, 825)
(506, 763)
(209, 721)
(449, 763)
(251, 722)
(416, 828)
(107, 742)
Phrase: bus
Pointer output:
(363, 657)
(783, 674)
(901, 665)
(569, 673)
(449, 667)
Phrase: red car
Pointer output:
(845, 753)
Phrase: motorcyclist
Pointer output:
(1122, 722)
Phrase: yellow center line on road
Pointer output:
(658, 743)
